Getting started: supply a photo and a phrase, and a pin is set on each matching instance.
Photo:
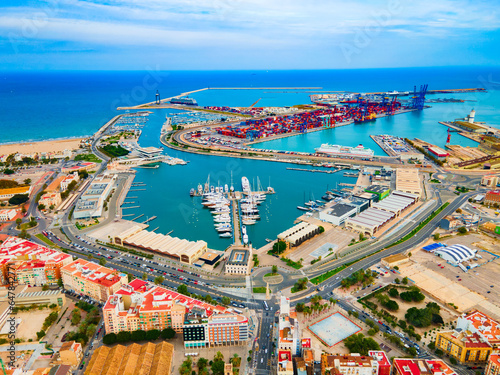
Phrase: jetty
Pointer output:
(141, 215)
(149, 219)
(313, 170)
(123, 208)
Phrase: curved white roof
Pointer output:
(456, 253)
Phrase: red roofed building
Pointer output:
(405, 366)
(29, 263)
(144, 305)
(438, 152)
(92, 280)
(492, 197)
(384, 365)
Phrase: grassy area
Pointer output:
(271, 274)
(435, 181)
(88, 157)
(114, 151)
(319, 279)
(259, 289)
(41, 237)
(420, 226)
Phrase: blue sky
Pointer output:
(246, 34)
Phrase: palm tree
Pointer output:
(218, 356)
(332, 301)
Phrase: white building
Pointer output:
(7, 215)
(455, 254)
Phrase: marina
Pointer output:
(313, 170)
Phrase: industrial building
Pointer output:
(395, 203)
(238, 262)
(408, 181)
(92, 280)
(394, 260)
(338, 213)
(91, 203)
(438, 152)
(379, 190)
(369, 221)
(172, 247)
(144, 359)
(6, 194)
(25, 295)
(455, 254)
(144, 305)
(298, 233)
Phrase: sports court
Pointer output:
(333, 329)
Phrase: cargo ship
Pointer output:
(368, 118)
(183, 101)
(344, 150)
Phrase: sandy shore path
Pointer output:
(45, 146)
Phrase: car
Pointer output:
(459, 279)
(489, 291)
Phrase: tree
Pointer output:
(18, 222)
(321, 229)
(436, 236)
(202, 363)
(167, 333)
(153, 335)
(461, 230)
(45, 287)
(186, 367)
(144, 276)
(218, 367)
(27, 181)
(159, 280)
(123, 336)
(18, 199)
(393, 292)
(405, 280)
(299, 307)
(453, 361)
(397, 281)
(458, 210)
(102, 262)
(40, 334)
(226, 300)
(218, 356)
(392, 305)
(182, 289)
(274, 269)
(139, 335)
(130, 277)
(76, 317)
(358, 343)
(279, 247)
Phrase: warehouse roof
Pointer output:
(458, 253)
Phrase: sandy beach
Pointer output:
(45, 146)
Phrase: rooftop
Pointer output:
(487, 326)
(341, 209)
(93, 272)
(238, 257)
(145, 359)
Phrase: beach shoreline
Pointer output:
(49, 146)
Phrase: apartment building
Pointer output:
(92, 280)
(144, 305)
(352, 364)
(29, 263)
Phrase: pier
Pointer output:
(141, 215)
(313, 170)
(346, 184)
(236, 222)
(123, 208)
(148, 220)
(128, 215)
(137, 190)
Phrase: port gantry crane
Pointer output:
(418, 98)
